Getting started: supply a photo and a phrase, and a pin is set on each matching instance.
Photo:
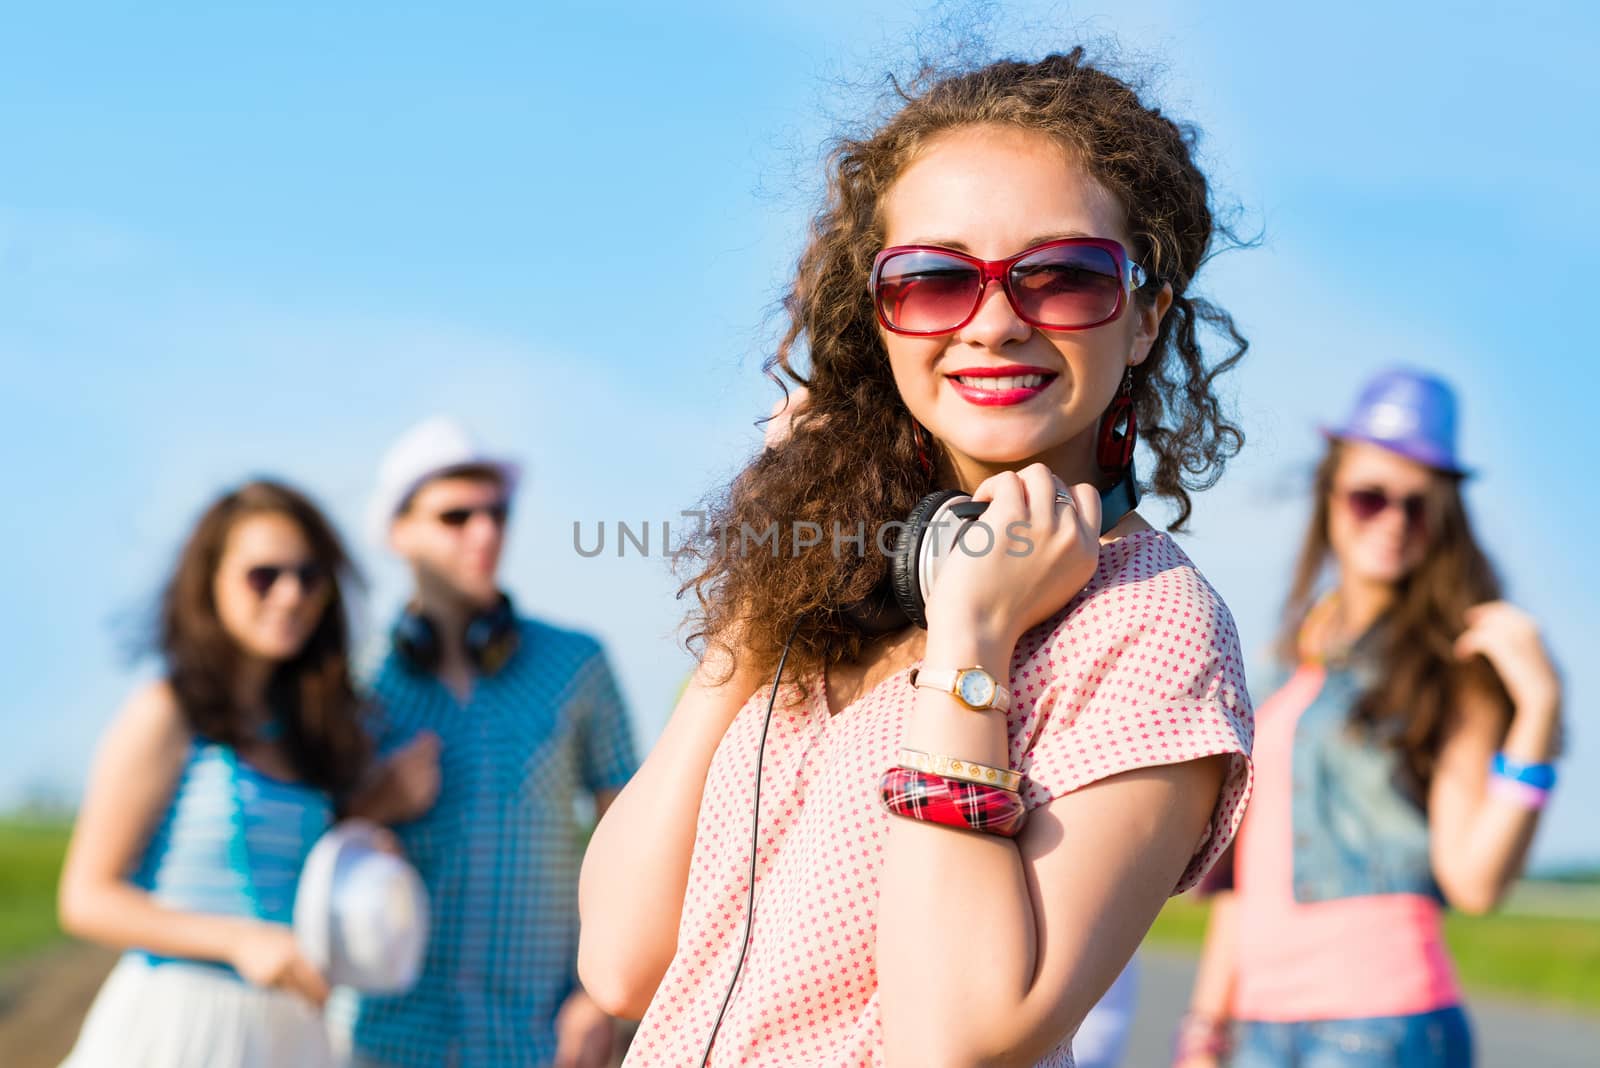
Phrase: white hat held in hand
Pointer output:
(361, 914)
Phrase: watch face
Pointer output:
(976, 688)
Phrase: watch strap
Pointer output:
(944, 680)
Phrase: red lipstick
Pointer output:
(980, 385)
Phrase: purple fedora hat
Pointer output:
(1409, 412)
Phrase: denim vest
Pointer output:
(1357, 831)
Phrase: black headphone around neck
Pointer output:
(490, 639)
(929, 537)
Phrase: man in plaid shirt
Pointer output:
(510, 720)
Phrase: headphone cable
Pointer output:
(755, 842)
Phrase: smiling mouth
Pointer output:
(1001, 383)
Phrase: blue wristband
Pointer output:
(1539, 776)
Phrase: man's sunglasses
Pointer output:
(1367, 504)
(263, 577)
(460, 517)
(1073, 283)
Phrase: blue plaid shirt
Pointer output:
(499, 852)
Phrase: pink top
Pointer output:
(1141, 668)
(1353, 957)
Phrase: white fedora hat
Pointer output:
(361, 914)
(427, 450)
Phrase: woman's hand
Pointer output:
(267, 954)
(1043, 552)
(1509, 639)
(1202, 1040)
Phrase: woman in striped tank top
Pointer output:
(207, 793)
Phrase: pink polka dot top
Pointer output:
(1141, 668)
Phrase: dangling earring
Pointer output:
(1119, 429)
(920, 436)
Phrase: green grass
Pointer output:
(30, 864)
(1181, 925)
(1552, 960)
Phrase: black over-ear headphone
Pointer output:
(490, 639)
(930, 536)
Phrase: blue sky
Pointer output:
(235, 242)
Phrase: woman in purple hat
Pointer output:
(1403, 755)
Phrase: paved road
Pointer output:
(42, 1003)
(1508, 1036)
(41, 1007)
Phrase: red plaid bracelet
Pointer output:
(970, 806)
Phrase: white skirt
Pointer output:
(176, 1015)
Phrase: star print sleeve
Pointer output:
(1143, 670)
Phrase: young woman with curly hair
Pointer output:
(962, 832)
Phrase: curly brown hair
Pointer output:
(869, 466)
(1419, 679)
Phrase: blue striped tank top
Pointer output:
(233, 840)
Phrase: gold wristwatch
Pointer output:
(972, 686)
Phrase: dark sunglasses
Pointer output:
(1073, 283)
(460, 517)
(263, 577)
(1368, 503)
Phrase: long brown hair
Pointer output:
(1419, 678)
(852, 461)
(312, 693)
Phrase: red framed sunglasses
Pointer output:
(1072, 283)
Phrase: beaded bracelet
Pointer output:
(965, 770)
(1529, 797)
(1199, 1035)
(939, 799)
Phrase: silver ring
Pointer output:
(1066, 499)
